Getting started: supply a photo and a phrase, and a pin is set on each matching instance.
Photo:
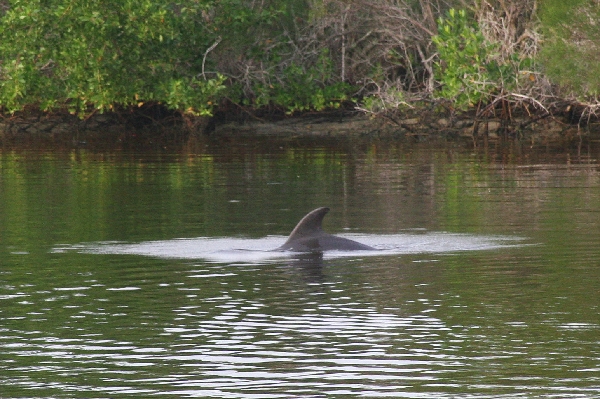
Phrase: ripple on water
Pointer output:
(242, 251)
(248, 329)
(326, 348)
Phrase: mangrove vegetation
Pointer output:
(197, 57)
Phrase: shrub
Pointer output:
(570, 52)
(96, 54)
(301, 88)
(467, 70)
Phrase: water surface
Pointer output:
(145, 274)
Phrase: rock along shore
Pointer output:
(116, 129)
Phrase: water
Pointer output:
(149, 274)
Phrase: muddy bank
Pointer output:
(110, 130)
(419, 127)
(118, 130)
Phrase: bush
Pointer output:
(296, 55)
(300, 89)
(98, 54)
(570, 52)
(468, 73)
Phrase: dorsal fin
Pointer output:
(310, 225)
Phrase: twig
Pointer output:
(211, 48)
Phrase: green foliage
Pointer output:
(570, 52)
(303, 89)
(97, 54)
(183, 94)
(467, 69)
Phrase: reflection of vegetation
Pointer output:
(480, 198)
(469, 304)
(48, 199)
(461, 205)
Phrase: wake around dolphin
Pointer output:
(308, 236)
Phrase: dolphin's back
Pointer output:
(308, 236)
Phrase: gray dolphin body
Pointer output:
(308, 236)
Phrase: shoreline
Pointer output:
(122, 129)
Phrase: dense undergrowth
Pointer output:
(493, 57)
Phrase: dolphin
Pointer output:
(308, 236)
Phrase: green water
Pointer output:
(514, 321)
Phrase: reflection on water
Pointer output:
(274, 330)
(98, 299)
(272, 341)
